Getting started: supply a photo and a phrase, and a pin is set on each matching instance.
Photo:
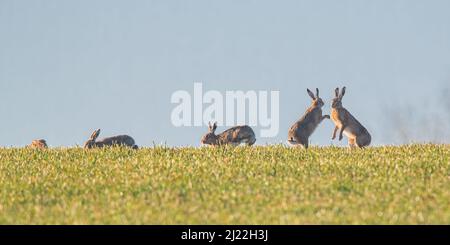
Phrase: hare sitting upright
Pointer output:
(38, 144)
(299, 133)
(120, 140)
(357, 134)
(233, 136)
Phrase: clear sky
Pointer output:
(69, 67)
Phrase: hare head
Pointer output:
(210, 138)
(317, 101)
(91, 141)
(337, 101)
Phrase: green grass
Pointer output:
(243, 185)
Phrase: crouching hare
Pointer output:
(38, 144)
(301, 130)
(233, 136)
(120, 140)
(356, 133)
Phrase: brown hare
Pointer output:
(357, 134)
(38, 144)
(233, 136)
(301, 130)
(120, 140)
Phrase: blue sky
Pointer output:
(69, 67)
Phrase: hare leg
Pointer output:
(325, 116)
(252, 141)
(300, 141)
(304, 143)
(352, 142)
(342, 131)
(334, 133)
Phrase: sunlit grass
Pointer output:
(243, 185)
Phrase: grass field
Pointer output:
(256, 185)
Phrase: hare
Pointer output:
(38, 144)
(299, 133)
(348, 125)
(233, 136)
(120, 140)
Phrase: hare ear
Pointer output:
(336, 92)
(95, 134)
(214, 127)
(209, 126)
(342, 93)
(317, 93)
(310, 93)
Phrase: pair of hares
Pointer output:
(300, 132)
